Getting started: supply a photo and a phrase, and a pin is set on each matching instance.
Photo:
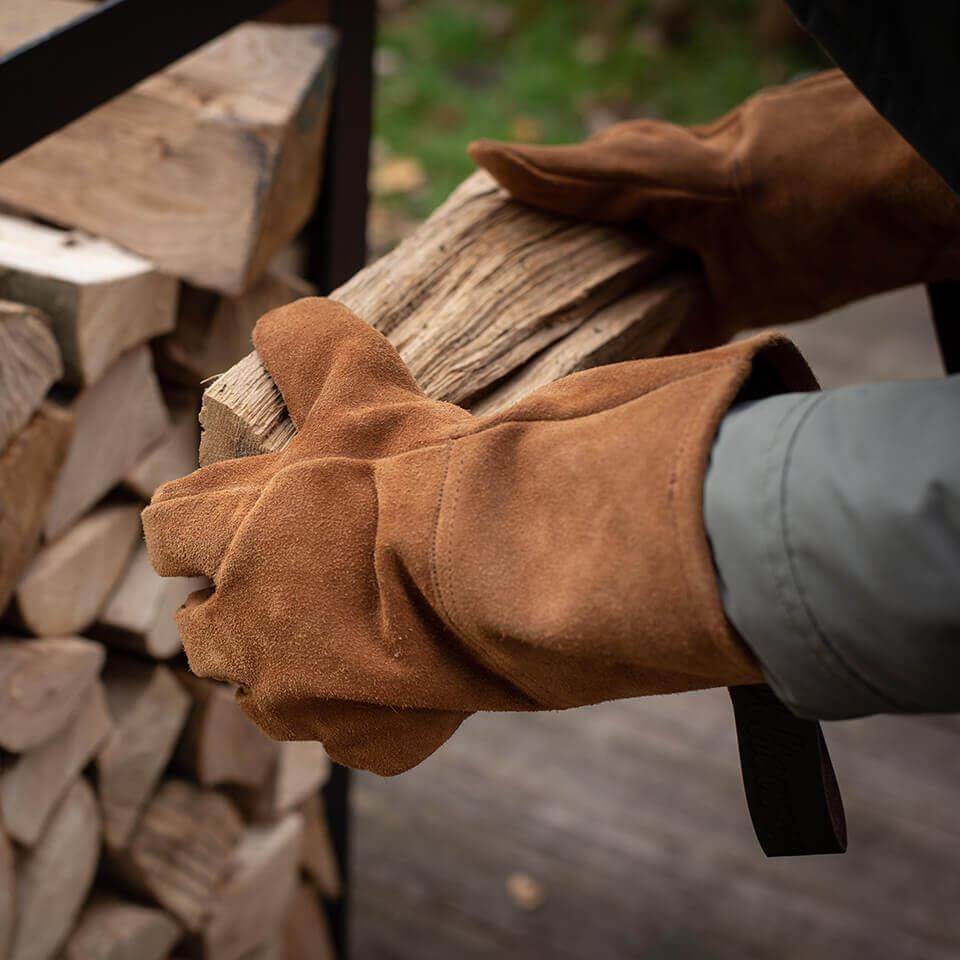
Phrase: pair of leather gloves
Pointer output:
(402, 563)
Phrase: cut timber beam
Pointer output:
(148, 708)
(207, 168)
(53, 878)
(101, 300)
(479, 290)
(113, 929)
(29, 467)
(68, 581)
(115, 422)
(42, 685)
(29, 364)
(36, 781)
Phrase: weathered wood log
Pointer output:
(32, 786)
(172, 457)
(111, 928)
(42, 684)
(54, 877)
(115, 422)
(302, 768)
(206, 169)
(148, 708)
(65, 585)
(29, 363)
(477, 291)
(101, 300)
(181, 851)
(253, 903)
(139, 614)
(29, 467)
(8, 894)
(306, 933)
(220, 745)
(318, 859)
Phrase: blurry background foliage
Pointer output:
(554, 71)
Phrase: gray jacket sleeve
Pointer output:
(834, 520)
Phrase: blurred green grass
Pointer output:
(450, 72)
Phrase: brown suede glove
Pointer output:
(801, 199)
(403, 563)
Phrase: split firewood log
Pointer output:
(307, 934)
(484, 287)
(174, 455)
(29, 467)
(115, 422)
(318, 859)
(36, 781)
(69, 580)
(149, 708)
(301, 769)
(101, 300)
(8, 894)
(54, 877)
(111, 928)
(42, 685)
(181, 851)
(29, 364)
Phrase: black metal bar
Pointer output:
(945, 306)
(63, 74)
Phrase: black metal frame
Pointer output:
(55, 79)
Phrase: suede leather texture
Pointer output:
(801, 199)
(403, 564)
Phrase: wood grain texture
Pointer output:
(149, 709)
(115, 422)
(69, 580)
(181, 852)
(101, 300)
(53, 878)
(111, 928)
(42, 685)
(482, 288)
(29, 364)
(29, 467)
(206, 168)
(36, 781)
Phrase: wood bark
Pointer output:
(172, 457)
(149, 709)
(302, 768)
(36, 781)
(181, 851)
(29, 364)
(206, 168)
(29, 467)
(101, 300)
(53, 878)
(111, 928)
(139, 614)
(42, 684)
(115, 422)
(69, 580)
(484, 287)
(221, 745)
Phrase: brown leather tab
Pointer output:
(792, 791)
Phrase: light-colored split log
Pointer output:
(114, 929)
(221, 745)
(306, 933)
(29, 364)
(172, 457)
(101, 300)
(318, 859)
(29, 467)
(115, 422)
(181, 851)
(42, 685)
(259, 890)
(68, 581)
(148, 707)
(302, 768)
(8, 894)
(207, 168)
(139, 615)
(32, 786)
(54, 877)
(478, 290)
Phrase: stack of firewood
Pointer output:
(142, 816)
